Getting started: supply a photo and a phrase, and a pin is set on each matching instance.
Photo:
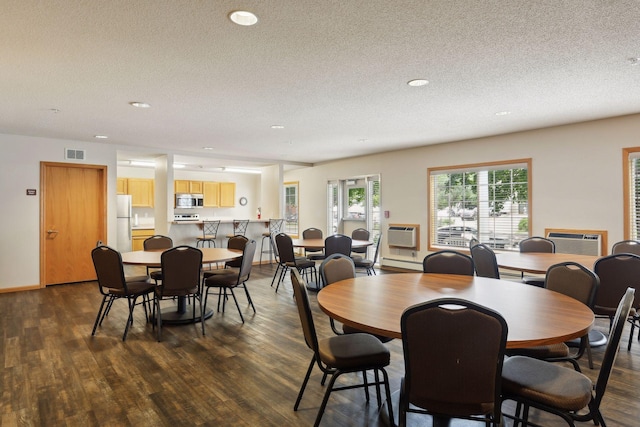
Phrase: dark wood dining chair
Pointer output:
(448, 262)
(626, 247)
(369, 264)
(181, 268)
(484, 261)
(337, 244)
(156, 242)
(580, 283)
(340, 354)
(288, 260)
(228, 282)
(618, 272)
(463, 344)
(539, 245)
(312, 253)
(113, 286)
(359, 234)
(534, 383)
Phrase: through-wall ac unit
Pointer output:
(576, 243)
(401, 237)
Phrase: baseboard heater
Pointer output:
(401, 263)
(577, 243)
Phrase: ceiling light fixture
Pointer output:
(142, 163)
(277, 127)
(238, 170)
(634, 61)
(139, 104)
(101, 136)
(503, 113)
(244, 18)
(418, 82)
(207, 148)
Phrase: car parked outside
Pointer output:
(457, 235)
(468, 213)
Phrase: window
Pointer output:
(291, 197)
(631, 183)
(489, 202)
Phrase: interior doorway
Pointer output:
(73, 205)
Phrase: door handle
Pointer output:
(52, 231)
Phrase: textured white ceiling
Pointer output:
(333, 73)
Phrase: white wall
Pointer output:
(577, 183)
(576, 177)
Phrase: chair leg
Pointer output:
(304, 383)
(387, 390)
(246, 291)
(132, 304)
(233, 294)
(365, 381)
(325, 399)
(100, 315)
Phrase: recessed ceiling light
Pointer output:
(418, 82)
(503, 113)
(207, 148)
(139, 104)
(241, 170)
(634, 61)
(277, 127)
(101, 136)
(242, 17)
(54, 110)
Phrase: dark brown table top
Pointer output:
(319, 243)
(535, 262)
(535, 316)
(152, 258)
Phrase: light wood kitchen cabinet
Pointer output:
(227, 194)
(211, 192)
(141, 191)
(185, 186)
(121, 186)
(138, 236)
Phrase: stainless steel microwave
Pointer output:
(187, 201)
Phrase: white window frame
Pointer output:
(631, 190)
(470, 208)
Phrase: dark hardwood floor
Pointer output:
(54, 373)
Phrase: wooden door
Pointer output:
(73, 218)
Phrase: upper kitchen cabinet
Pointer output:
(121, 186)
(211, 192)
(227, 194)
(141, 191)
(184, 186)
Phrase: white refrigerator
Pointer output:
(125, 221)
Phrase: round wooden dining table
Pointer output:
(535, 316)
(319, 243)
(539, 263)
(152, 258)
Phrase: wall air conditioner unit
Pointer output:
(402, 236)
(576, 243)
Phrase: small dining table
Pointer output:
(319, 243)
(535, 316)
(152, 258)
(538, 262)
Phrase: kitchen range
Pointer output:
(186, 217)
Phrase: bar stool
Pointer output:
(209, 233)
(274, 228)
(239, 227)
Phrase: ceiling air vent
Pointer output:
(74, 154)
